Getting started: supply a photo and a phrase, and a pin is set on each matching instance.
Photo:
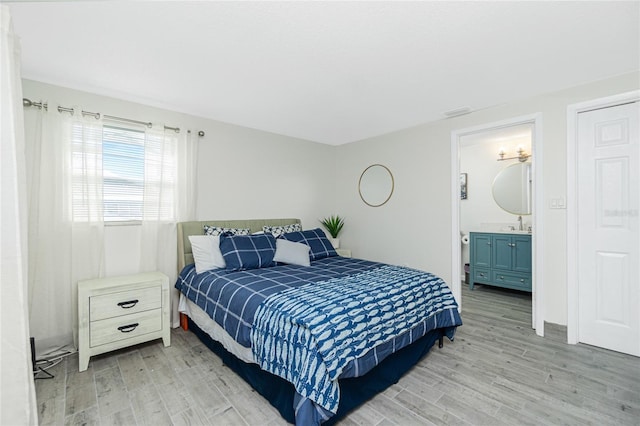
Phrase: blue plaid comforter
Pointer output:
(232, 298)
(338, 318)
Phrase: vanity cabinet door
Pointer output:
(512, 253)
(481, 250)
(522, 253)
(502, 251)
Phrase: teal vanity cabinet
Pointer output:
(499, 259)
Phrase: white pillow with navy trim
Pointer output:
(206, 252)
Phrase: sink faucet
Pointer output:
(520, 228)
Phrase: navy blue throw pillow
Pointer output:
(242, 252)
(316, 239)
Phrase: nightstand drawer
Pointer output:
(125, 302)
(124, 327)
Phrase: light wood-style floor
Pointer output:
(497, 371)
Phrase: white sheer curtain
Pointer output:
(87, 229)
(187, 177)
(18, 404)
(169, 196)
(66, 226)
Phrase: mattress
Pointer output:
(216, 332)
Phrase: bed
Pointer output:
(316, 339)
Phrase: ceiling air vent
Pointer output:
(457, 111)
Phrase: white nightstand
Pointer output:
(117, 312)
(343, 252)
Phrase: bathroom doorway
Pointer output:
(480, 156)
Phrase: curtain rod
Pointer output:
(29, 103)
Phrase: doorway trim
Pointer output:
(573, 110)
(537, 300)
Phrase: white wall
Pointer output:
(414, 227)
(242, 173)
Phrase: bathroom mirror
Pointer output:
(512, 188)
(376, 185)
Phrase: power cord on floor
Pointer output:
(38, 374)
(40, 368)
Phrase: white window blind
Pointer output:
(123, 168)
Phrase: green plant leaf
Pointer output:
(333, 224)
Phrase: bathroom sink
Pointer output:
(508, 231)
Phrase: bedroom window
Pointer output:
(122, 175)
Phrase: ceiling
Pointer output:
(329, 72)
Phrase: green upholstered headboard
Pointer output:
(185, 256)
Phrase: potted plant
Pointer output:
(333, 224)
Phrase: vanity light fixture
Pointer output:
(522, 155)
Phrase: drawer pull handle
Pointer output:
(128, 328)
(502, 277)
(128, 304)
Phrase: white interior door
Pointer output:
(608, 173)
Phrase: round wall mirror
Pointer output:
(376, 185)
(512, 188)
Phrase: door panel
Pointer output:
(608, 232)
(612, 189)
(612, 288)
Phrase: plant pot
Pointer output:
(335, 242)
